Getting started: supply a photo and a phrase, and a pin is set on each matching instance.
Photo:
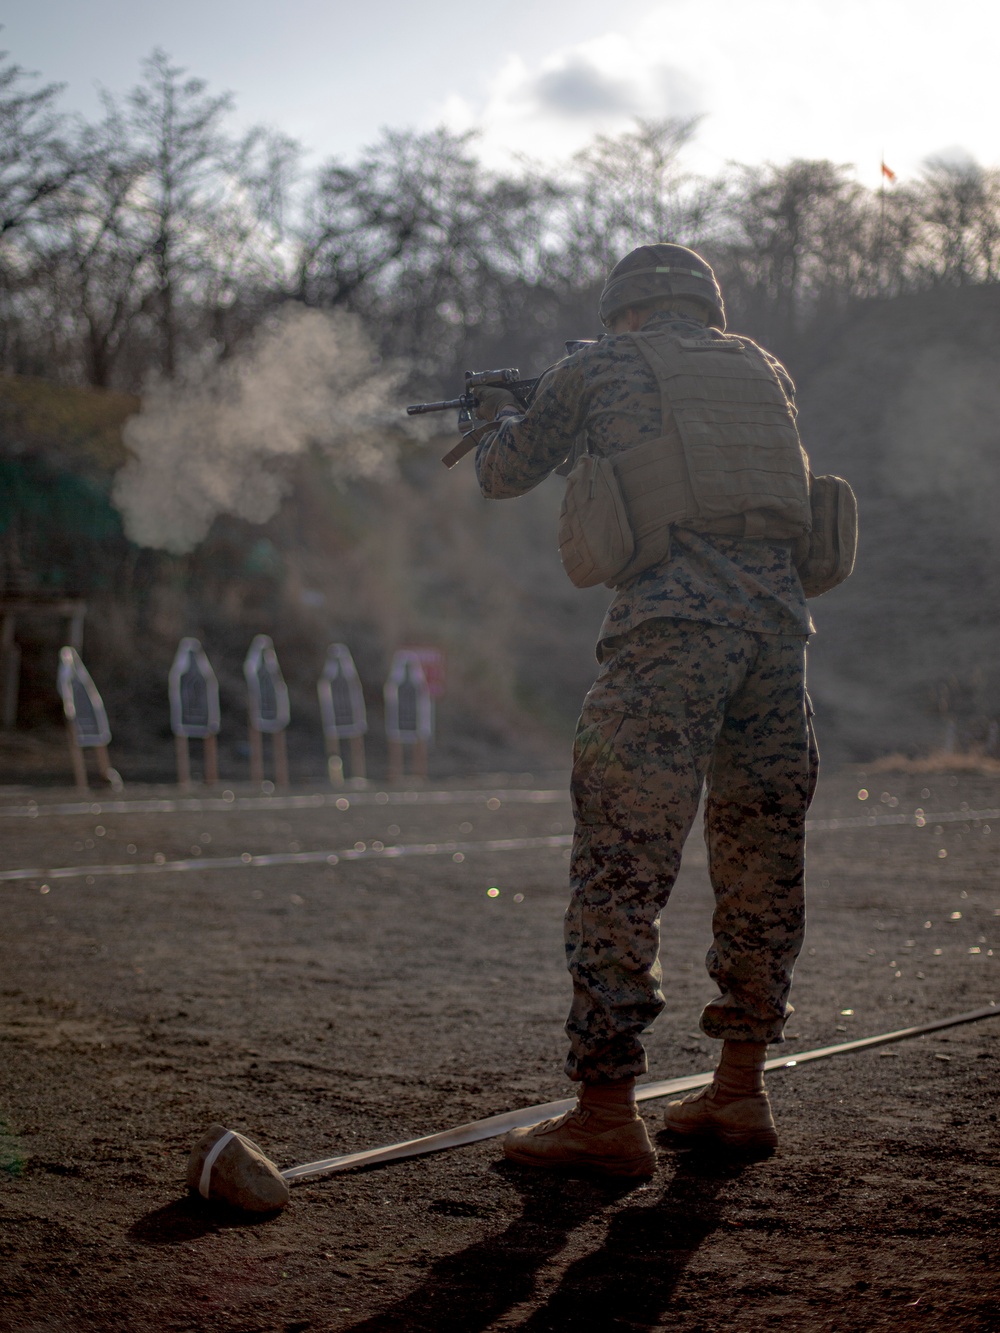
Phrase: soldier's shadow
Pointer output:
(627, 1283)
(631, 1280)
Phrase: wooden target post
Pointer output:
(267, 709)
(86, 720)
(342, 707)
(409, 715)
(194, 710)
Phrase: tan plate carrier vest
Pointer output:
(730, 463)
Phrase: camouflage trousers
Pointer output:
(679, 704)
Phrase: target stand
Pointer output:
(342, 708)
(409, 715)
(86, 720)
(268, 709)
(194, 711)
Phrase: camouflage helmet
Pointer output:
(654, 271)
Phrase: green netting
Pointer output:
(42, 501)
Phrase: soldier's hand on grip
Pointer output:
(490, 400)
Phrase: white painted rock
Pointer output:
(226, 1167)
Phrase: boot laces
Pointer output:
(577, 1112)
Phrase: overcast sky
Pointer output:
(772, 79)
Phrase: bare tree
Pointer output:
(36, 165)
(793, 236)
(419, 238)
(631, 190)
(35, 159)
(959, 205)
(177, 126)
(91, 260)
(165, 237)
(248, 235)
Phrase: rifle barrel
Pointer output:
(416, 409)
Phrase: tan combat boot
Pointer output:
(603, 1132)
(734, 1108)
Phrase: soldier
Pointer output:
(701, 684)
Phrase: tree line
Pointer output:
(153, 235)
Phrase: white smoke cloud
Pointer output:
(219, 442)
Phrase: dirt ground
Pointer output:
(322, 1008)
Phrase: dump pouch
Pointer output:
(825, 556)
(595, 536)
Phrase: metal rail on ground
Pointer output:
(493, 1126)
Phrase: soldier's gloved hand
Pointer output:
(490, 400)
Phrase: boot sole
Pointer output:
(629, 1166)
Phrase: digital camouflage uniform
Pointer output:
(702, 681)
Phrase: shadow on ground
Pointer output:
(628, 1282)
(189, 1219)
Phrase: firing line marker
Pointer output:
(915, 821)
(248, 862)
(342, 801)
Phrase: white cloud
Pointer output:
(556, 105)
(579, 88)
(773, 80)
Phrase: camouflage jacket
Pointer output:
(608, 393)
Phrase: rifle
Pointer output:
(509, 379)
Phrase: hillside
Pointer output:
(903, 398)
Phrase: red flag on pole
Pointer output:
(888, 172)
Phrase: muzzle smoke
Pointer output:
(220, 441)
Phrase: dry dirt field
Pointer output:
(325, 1007)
